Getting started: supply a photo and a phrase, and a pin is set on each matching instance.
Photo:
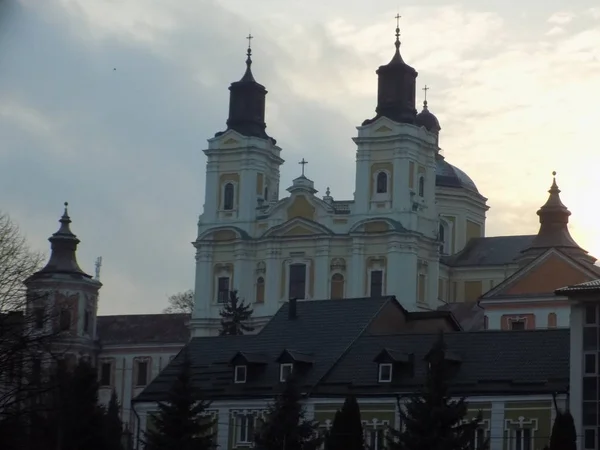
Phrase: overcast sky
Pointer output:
(108, 104)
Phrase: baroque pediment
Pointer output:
(298, 226)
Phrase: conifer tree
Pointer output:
(285, 426)
(234, 315)
(113, 428)
(346, 432)
(564, 434)
(179, 423)
(432, 420)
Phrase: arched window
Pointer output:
(382, 183)
(337, 286)
(65, 320)
(421, 186)
(228, 197)
(260, 290)
(552, 320)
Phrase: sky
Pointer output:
(108, 104)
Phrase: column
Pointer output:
(497, 426)
(357, 269)
(243, 273)
(272, 279)
(322, 271)
(212, 192)
(204, 283)
(223, 428)
(393, 271)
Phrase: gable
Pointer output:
(544, 275)
(299, 231)
(301, 207)
(297, 226)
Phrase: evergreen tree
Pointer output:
(113, 428)
(234, 315)
(346, 432)
(432, 420)
(179, 423)
(564, 434)
(285, 426)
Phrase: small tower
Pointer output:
(242, 171)
(65, 296)
(554, 230)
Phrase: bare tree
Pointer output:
(26, 332)
(182, 302)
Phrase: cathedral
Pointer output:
(402, 234)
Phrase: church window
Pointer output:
(421, 186)
(260, 290)
(297, 281)
(376, 283)
(65, 320)
(142, 373)
(222, 289)
(105, 374)
(517, 325)
(38, 316)
(552, 320)
(86, 321)
(228, 195)
(337, 286)
(382, 183)
(422, 287)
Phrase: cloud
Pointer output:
(561, 18)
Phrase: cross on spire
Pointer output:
(397, 17)
(250, 37)
(426, 88)
(303, 163)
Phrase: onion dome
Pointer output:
(428, 120)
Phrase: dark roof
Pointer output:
(428, 120)
(447, 175)
(582, 288)
(489, 251)
(143, 329)
(468, 314)
(342, 354)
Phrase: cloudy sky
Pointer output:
(108, 104)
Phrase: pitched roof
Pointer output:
(489, 251)
(500, 291)
(582, 288)
(468, 314)
(342, 353)
(143, 329)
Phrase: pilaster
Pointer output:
(212, 192)
(223, 428)
(497, 425)
(243, 280)
(322, 271)
(203, 287)
(357, 268)
(272, 277)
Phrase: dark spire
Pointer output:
(63, 258)
(247, 103)
(396, 88)
(554, 230)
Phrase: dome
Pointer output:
(449, 176)
(428, 120)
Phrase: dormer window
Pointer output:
(385, 373)
(285, 370)
(240, 375)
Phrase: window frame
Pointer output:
(307, 265)
(146, 364)
(377, 269)
(260, 284)
(522, 438)
(594, 355)
(381, 196)
(382, 174)
(282, 368)
(101, 377)
(585, 431)
(242, 422)
(64, 315)
(381, 366)
(224, 193)
(421, 186)
(236, 378)
(519, 320)
(218, 290)
(342, 281)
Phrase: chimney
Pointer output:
(292, 309)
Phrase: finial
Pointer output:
(327, 192)
(554, 173)
(303, 163)
(65, 215)
(425, 89)
(249, 52)
(398, 31)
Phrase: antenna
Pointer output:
(98, 266)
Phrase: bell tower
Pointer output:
(62, 298)
(242, 170)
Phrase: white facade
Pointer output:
(386, 241)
